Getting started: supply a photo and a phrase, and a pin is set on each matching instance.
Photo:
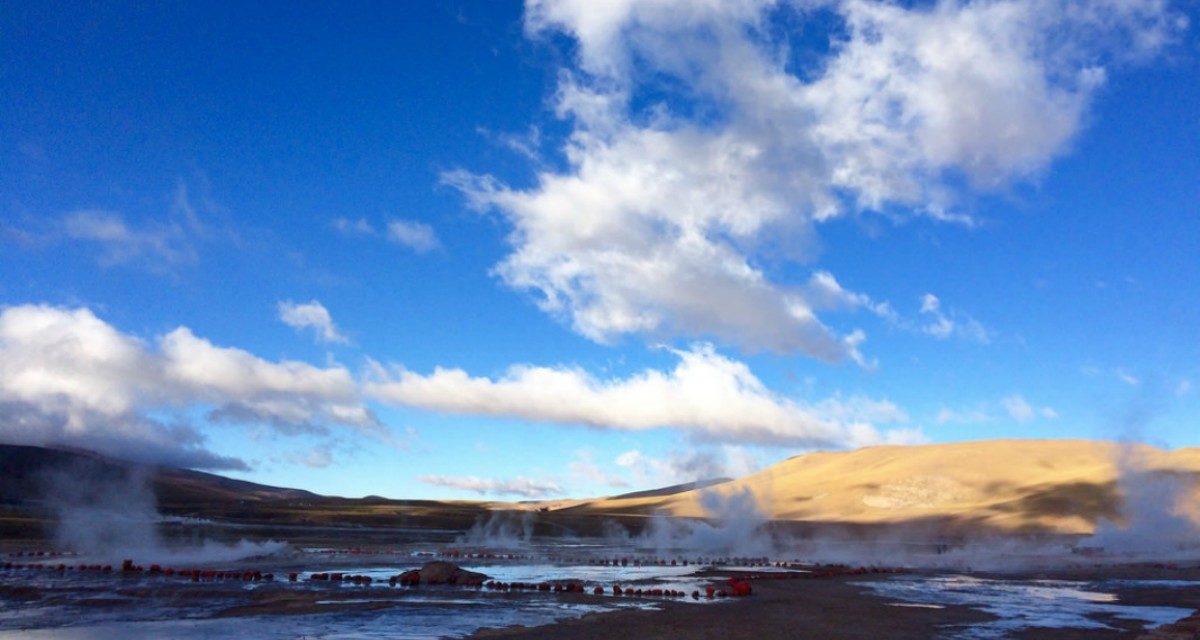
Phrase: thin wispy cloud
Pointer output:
(312, 316)
(967, 416)
(417, 236)
(519, 486)
(583, 468)
(359, 226)
(942, 324)
(163, 242)
(1019, 409)
(1118, 374)
(1014, 406)
(527, 145)
(1127, 378)
(320, 457)
(121, 243)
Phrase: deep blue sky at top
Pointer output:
(298, 117)
(278, 119)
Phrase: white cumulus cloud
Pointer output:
(68, 377)
(706, 395)
(700, 146)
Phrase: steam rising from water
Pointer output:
(735, 525)
(1155, 524)
(501, 530)
(107, 514)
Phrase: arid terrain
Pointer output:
(1021, 539)
(1017, 486)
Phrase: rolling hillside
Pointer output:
(1058, 486)
(1062, 486)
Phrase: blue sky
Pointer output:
(458, 249)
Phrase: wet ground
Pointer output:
(312, 589)
(1020, 605)
(336, 584)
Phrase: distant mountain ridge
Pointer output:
(25, 470)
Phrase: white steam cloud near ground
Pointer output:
(703, 144)
(107, 514)
(1153, 526)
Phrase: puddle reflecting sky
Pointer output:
(1027, 604)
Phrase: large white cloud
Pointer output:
(707, 395)
(68, 377)
(701, 147)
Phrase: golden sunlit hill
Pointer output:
(1018, 486)
(1007, 486)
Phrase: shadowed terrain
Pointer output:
(1007, 486)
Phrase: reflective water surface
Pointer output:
(1028, 604)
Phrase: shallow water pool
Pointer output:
(1019, 605)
